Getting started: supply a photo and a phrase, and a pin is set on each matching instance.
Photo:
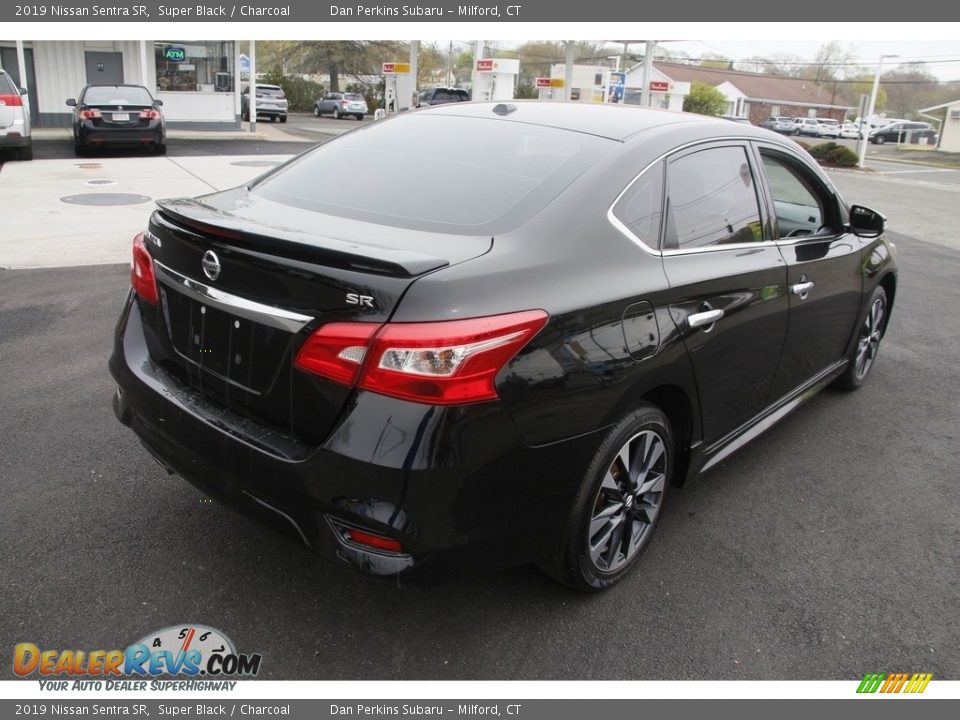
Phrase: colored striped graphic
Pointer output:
(894, 682)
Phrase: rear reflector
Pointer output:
(437, 363)
(142, 278)
(375, 541)
(11, 100)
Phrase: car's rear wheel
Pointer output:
(359, 116)
(864, 353)
(336, 113)
(283, 118)
(25, 153)
(160, 148)
(618, 505)
(79, 149)
(879, 140)
(316, 111)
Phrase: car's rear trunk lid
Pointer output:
(244, 280)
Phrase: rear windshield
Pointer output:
(122, 95)
(272, 91)
(353, 96)
(436, 172)
(6, 86)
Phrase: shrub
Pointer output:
(301, 94)
(834, 155)
(841, 156)
(821, 151)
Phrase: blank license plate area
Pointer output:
(242, 351)
(121, 117)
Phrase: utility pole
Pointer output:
(864, 131)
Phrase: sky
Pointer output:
(945, 53)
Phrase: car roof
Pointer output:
(616, 122)
(115, 85)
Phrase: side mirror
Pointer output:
(866, 223)
(158, 102)
(72, 102)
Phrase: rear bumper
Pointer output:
(12, 138)
(93, 135)
(455, 486)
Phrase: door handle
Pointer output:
(801, 289)
(702, 319)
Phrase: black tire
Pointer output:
(26, 153)
(591, 555)
(863, 356)
(283, 118)
(79, 149)
(359, 117)
(160, 148)
(336, 113)
(879, 140)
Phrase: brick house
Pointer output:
(757, 96)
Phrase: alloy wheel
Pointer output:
(628, 501)
(870, 334)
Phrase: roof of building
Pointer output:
(941, 106)
(756, 86)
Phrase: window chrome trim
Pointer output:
(234, 304)
(623, 229)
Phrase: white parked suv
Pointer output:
(14, 119)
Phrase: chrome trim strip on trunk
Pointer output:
(255, 312)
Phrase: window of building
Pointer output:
(195, 65)
(775, 110)
(712, 200)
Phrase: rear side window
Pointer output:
(6, 85)
(437, 172)
(712, 200)
(640, 208)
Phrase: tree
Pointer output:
(909, 87)
(705, 99)
(336, 57)
(715, 60)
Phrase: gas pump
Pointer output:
(398, 88)
(496, 79)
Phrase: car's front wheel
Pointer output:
(618, 504)
(316, 111)
(879, 140)
(864, 353)
(336, 113)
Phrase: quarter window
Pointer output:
(712, 200)
(640, 208)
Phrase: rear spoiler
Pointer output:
(193, 216)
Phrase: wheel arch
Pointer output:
(677, 405)
(889, 284)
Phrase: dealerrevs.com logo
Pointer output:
(191, 651)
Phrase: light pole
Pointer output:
(862, 145)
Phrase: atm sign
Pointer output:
(175, 54)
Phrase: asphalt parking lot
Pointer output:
(828, 548)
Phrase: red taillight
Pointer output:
(374, 541)
(142, 278)
(11, 100)
(336, 351)
(149, 114)
(344, 102)
(89, 114)
(438, 363)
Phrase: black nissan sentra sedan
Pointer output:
(117, 115)
(483, 334)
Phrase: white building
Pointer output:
(950, 126)
(591, 83)
(195, 79)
